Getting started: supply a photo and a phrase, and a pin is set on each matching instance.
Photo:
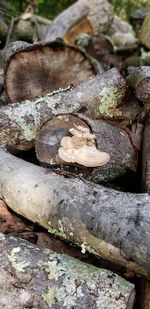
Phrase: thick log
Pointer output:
(38, 69)
(20, 123)
(38, 278)
(98, 12)
(139, 80)
(105, 222)
(108, 138)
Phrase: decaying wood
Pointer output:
(109, 139)
(145, 31)
(45, 279)
(144, 285)
(140, 14)
(1, 79)
(40, 68)
(20, 123)
(146, 157)
(83, 26)
(139, 80)
(66, 20)
(98, 12)
(143, 293)
(108, 223)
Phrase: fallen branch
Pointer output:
(108, 223)
(65, 280)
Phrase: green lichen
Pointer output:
(52, 269)
(19, 266)
(50, 297)
(85, 247)
(57, 232)
(109, 102)
(2, 236)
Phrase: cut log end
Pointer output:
(42, 68)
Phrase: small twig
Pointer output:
(13, 20)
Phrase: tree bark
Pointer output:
(146, 157)
(33, 277)
(20, 123)
(145, 32)
(98, 12)
(66, 20)
(139, 80)
(108, 223)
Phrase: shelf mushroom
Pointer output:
(81, 149)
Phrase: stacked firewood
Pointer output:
(75, 162)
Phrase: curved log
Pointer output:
(99, 14)
(66, 282)
(105, 222)
(20, 123)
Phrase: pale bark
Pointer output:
(108, 223)
(40, 278)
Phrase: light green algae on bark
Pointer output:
(109, 101)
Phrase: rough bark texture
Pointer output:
(146, 157)
(105, 222)
(143, 293)
(66, 20)
(20, 123)
(145, 32)
(109, 139)
(38, 69)
(38, 278)
(98, 12)
(139, 80)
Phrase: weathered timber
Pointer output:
(143, 293)
(41, 278)
(145, 32)
(108, 138)
(98, 12)
(1, 80)
(105, 222)
(40, 68)
(143, 284)
(82, 28)
(140, 14)
(20, 123)
(12, 48)
(146, 157)
(139, 80)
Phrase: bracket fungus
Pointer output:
(81, 149)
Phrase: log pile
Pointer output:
(75, 162)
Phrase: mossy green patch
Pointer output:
(109, 101)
